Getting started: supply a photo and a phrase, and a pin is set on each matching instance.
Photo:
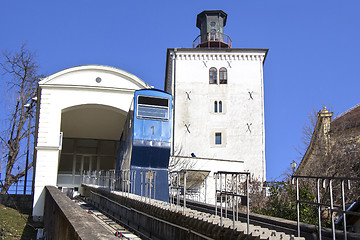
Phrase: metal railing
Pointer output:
(19, 187)
(208, 40)
(177, 189)
(123, 181)
(326, 202)
(148, 183)
(232, 188)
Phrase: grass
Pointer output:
(14, 225)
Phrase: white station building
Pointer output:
(218, 102)
(76, 106)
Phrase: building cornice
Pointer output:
(220, 56)
(242, 54)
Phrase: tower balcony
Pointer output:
(212, 40)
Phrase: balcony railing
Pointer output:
(212, 40)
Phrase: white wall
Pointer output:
(246, 149)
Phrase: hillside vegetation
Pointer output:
(13, 225)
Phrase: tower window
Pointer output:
(213, 35)
(223, 75)
(217, 106)
(218, 138)
(213, 75)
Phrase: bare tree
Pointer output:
(179, 162)
(307, 132)
(20, 74)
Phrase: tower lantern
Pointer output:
(211, 24)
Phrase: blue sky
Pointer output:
(312, 61)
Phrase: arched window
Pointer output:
(220, 106)
(223, 75)
(215, 106)
(213, 75)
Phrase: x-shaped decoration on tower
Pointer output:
(229, 64)
(204, 62)
(188, 95)
(248, 127)
(187, 127)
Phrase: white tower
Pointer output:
(218, 96)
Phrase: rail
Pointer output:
(325, 183)
(123, 181)
(212, 39)
(230, 187)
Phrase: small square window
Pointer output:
(217, 138)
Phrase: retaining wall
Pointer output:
(64, 219)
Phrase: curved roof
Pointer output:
(94, 76)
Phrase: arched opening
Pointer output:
(223, 75)
(213, 75)
(91, 134)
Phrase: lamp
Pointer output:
(293, 166)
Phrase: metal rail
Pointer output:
(321, 183)
(213, 37)
(103, 218)
(230, 186)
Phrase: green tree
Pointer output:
(282, 203)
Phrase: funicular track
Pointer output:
(186, 223)
(111, 223)
(131, 225)
(264, 227)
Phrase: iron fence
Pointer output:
(19, 187)
(232, 188)
(212, 37)
(325, 199)
(123, 181)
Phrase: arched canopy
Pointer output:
(92, 121)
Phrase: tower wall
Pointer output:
(241, 120)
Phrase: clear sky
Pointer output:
(313, 57)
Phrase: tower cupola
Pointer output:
(211, 24)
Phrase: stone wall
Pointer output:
(23, 203)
